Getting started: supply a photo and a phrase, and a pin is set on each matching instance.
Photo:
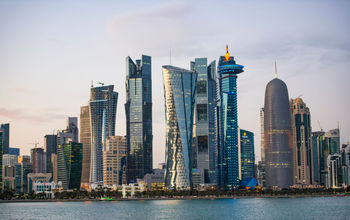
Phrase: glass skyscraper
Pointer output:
(50, 146)
(179, 93)
(278, 136)
(246, 148)
(5, 137)
(138, 110)
(204, 137)
(302, 143)
(227, 172)
(1, 175)
(69, 164)
(103, 108)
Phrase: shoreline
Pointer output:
(177, 198)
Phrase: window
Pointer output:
(201, 112)
(202, 87)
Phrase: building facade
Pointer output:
(334, 174)
(26, 168)
(179, 93)
(227, 172)
(138, 110)
(5, 128)
(69, 165)
(14, 151)
(50, 146)
(247, 155)
(38, 159)
(302, 143)
(114, 161)
(204, 137)
(278, 136)
(103, 108)
(85, 139)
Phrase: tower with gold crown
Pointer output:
(227, 171)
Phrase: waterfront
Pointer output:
(249, 208)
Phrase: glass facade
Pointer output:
(278, 140)
(103, 108)
(5, 128)
(203, 146)
(179, 92)
(227, 172)
(69, 165)
(50, 146)
(138, 110)
(302, 145)
(246, 146)
(323, 144)
(1, 175)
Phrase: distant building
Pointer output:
(262, 135)
(5, 128)
(324, 144)
(9, 177)
(197, 177)
(345, 152)
(132, 188)
(38, 159)
(278, 136)
(1, 153)
(204, 143)
(103, 109)
(46, 188)
(302, 143)
(179, 93)
(114, 161)
(247, 156)
(71, 133)
(138, 110)
(155, 180)
(9, 160)
(37, 177)
(69, 165)
(14, 151)
(25, 169)
(334, 175)
(227, 172)
(54, 167)
(85, 139)
(50, 146)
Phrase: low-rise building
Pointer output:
(155, 180)
(132, 188)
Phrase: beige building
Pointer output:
(302, 145)
(114, 161)
(54, 167)
(85, 139)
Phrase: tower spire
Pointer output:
(275, 69)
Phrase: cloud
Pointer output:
(37, 117)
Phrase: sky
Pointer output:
(51, 51)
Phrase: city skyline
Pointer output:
(39, 68)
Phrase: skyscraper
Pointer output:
(114, 161)
(38, 159)
(103, 108)
(227, 173)
(138, 110)
(323, 144)
(50, 146)
(278, 136)
(204, 143)
(69, 164)
(71, 133)
(1, 175)
(302, 143)
(14, 151)
(179, 93)
(247, 156)
(85, 139)
(26, 168)
(6, 138)
(262, 135)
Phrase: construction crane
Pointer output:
(100, 83)
(319, 124)
(35, 143)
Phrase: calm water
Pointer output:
(282, 208)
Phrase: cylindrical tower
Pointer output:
(227, 146)
(278, 136)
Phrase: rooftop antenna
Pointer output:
(92, 83)
(101, 83)
(275, 69)
(319, 124)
